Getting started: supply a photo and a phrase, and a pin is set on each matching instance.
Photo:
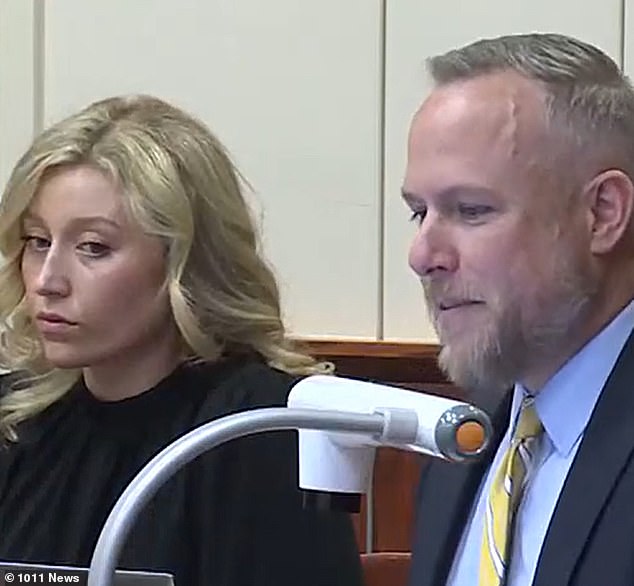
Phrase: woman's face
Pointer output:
(93, 278)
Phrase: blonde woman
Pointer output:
(135, 306)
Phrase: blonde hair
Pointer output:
(589, 101)
(181, 186)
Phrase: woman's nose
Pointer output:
(53, 279)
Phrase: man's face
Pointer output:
(503, 259)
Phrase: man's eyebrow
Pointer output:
(453, 191)
(409, 197)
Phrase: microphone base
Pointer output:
(321, 500)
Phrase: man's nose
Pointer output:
(432, 250)
(53, 278)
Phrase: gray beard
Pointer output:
(493, 359)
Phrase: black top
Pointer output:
(232, 517)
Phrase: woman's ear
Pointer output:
(610, 199)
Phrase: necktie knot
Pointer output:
(528, 424)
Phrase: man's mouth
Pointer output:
(447, 305)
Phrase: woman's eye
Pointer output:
(95, 249)
(37, 243)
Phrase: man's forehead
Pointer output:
(504, 109)
(484, 132)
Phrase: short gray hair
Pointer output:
(588, 98)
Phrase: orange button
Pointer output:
(470, 437)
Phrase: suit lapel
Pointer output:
(445, 504)
(605, 448)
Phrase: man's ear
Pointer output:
(610, 200)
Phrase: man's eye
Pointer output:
(95, 249)
(37, 243)
(473, 212)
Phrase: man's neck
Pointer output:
(596, 318)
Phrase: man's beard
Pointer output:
(497, 355)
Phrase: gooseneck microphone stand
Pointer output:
(176, 455)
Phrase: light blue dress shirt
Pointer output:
(564, 406)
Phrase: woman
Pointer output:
(136, 307)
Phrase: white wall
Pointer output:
(18, 23)
(628, 38)
(313, 99)
(296, 102)
(417, 29)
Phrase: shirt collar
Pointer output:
(565, 403)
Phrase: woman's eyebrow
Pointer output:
(78, 222)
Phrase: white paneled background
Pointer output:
(18, 72)
(416, 29)
(313, 100)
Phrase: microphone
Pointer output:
(335, 468)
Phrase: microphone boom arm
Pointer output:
(185, 449)
(341, 423)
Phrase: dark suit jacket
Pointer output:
(590, 540)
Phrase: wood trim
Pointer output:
(382, 568)
(372, 349)
(385, 361)
(395, 485)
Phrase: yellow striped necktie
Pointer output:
(504, 497)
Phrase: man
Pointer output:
(519, 175)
